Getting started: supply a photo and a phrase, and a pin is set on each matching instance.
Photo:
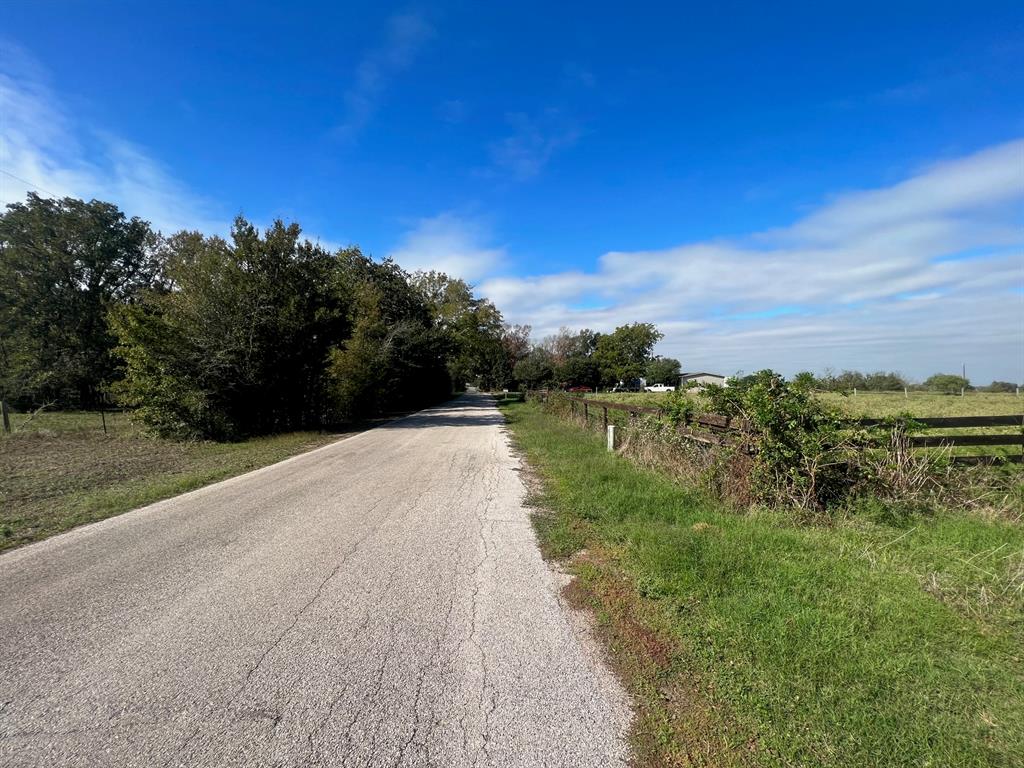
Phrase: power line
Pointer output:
(26, 181)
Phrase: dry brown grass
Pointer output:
(60, 475)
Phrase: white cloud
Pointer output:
(44, 149)
(407, 33)
(870, 279)
(448, 243)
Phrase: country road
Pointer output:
(380, 601)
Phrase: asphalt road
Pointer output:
(377, 602)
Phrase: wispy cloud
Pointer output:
(44, 149)
(453, 111)
(406, 35)
(864, 280)
(448, 243)
(534, 140)
(575, 74)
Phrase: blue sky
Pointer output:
(784, 185)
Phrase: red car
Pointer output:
(580, 389)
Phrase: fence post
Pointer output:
(586, 413)
(611, 438)
(605, 417)
(7, 416)
(104, 417)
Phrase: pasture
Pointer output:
(60, 470)
(885, 404)
(876, 404)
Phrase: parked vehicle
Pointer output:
(660, 388)
(580, 389)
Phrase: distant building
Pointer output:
(702, 378)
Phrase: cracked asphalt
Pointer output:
(380, 601)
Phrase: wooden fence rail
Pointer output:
(712, 423)
(954, 421)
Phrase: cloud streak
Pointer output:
(44, 149)
(406, 35)
(888, 277)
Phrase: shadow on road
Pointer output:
(469, 410)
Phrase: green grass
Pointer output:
(881, 404)
(857, 643)
(60, 470)
(652, 399)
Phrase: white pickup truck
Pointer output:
(659, 388)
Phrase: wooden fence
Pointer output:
(718, 429)
(974, 440)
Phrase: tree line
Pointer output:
(890, 381)
(223, 338)
(586, 358)
(259, 332)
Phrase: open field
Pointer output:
(60, 470)
(754, 640)
(880, 404)
(877, 404)
(653, 399)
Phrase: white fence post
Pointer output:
(611, 437)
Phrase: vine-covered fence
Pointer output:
(922, 431)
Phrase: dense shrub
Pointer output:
(947, 383)
(798, 451)
(804, 452)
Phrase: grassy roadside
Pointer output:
(61, 470)
(752, 640)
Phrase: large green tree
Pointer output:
(64, 265)
(663, 370)
(623, 354)
(396, 356)
(482, 349)
(572, 356)
(534, 370)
